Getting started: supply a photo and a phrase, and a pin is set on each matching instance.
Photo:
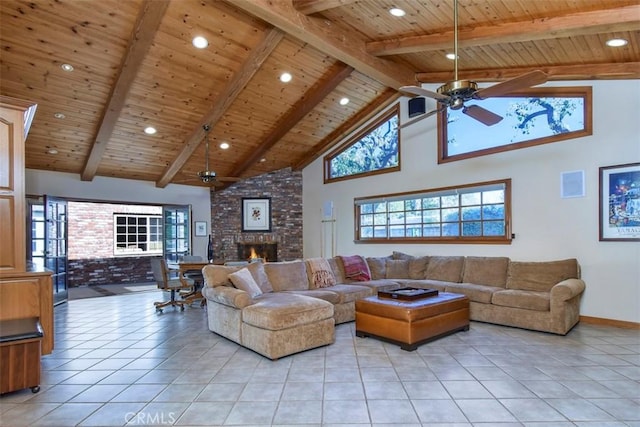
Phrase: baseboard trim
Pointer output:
(609, 322)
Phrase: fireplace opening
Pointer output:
(267, 251)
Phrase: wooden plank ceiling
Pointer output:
(135, 66)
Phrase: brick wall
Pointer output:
(91, 253)
(284, 187)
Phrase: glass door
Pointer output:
(55, 243)
(177, 233)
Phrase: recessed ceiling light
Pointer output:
(262, 160)
(285, 77)
(149, 130)
(224, 145)
(617, 42)
(200, 42)
(344, 101)
(59, 116)
(52, 151)
(395, 11)
(67, 67)
(451, 56)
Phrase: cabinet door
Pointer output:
(12, 223)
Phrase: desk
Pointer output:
(193, 268)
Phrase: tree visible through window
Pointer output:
(532, 117)
(375, 150)
(474, 213)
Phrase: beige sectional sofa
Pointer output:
(281, 308)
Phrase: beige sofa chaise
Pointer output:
(281, 308)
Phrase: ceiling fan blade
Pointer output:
(422, 117)
(416, 90)
(482, 115)
(521, 82)
(228, 178)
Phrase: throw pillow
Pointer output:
(242, 279)
(320, 273)
(260, 276)
(377, 267)
(356, 268)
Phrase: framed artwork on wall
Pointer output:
(620, 202)
(256, 214)
(200, 228)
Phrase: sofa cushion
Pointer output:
(338, 269)
(445, 268)
(243, 280)
(319, 273)
(540, 276)
(260, 276)
(227, 295)
(397, 269)
(477, 293)
(401, 255)
(490, 271)
(287, 276)
(529, 300)
(355, 268)
(218, 275)
(282, 310)
(381, 284)
(378, 267)
(418, 267)
(351, 292)
(324, 294)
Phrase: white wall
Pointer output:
(124, 190)
(547, 227)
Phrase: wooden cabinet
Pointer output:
(23, 293)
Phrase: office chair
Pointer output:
(161, 275)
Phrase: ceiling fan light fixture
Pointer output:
(617, 42)
(207, 176)
(451, 56)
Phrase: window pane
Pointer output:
(379, 219)
(396, 206)
(368, 208)
(396, 218)
(493, 212)
(496, 196)
(493, 228)
(396, 231)
(366, 232)
(414, 231)
(450, 229)
(472, 228)
(449, 201)
(431, 202)
(366, 220)
(431, 216)
(431, 230)
(470, 213)
(380, 231)
(450, 215)
(470, 199)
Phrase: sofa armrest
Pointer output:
(228, 296)
(567, 289)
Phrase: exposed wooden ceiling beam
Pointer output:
(227, 96)
(308, 7)
(626, 70)
(346, 47)
(307, 102)
(144, 30)
(382, 101)
(625, 18)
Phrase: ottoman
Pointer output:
(412, 323)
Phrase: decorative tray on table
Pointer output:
(408, 294)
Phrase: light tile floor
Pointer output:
(118, 363)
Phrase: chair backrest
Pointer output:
(159, 268)
(192, 258)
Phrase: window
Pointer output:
(374, 150)
(475, 213)
(531, 117)
(137, 234)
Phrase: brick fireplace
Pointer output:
(268, 251)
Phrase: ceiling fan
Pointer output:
(208, 176)
(453, 94)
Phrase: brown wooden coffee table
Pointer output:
(412, 323)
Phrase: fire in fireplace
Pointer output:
(267, 251)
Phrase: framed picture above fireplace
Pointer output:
(256, 214)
